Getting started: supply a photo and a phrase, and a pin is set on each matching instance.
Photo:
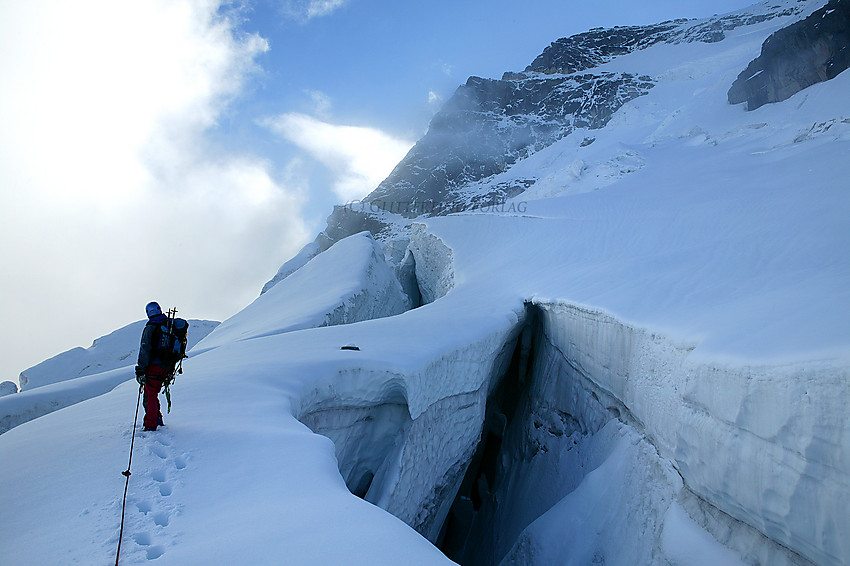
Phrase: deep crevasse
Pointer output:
(733, 446)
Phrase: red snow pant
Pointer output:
(153, 384)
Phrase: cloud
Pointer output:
(306, 10)
(322, 103)
(359, 157)
(112, 193)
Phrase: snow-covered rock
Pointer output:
(810, 51)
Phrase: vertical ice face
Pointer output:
(405, 442)
(367, 437)
(768, 446)
(434, 264)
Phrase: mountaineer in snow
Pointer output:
(155, 367)
(161, 355)
(151, 370)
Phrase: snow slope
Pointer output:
(644, 359)
(115, 350)
(363, 287)
(108, 362)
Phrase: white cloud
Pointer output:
(306, 10)
(112, 194)
(322, 103)
(359, 157)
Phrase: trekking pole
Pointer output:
(126, 473)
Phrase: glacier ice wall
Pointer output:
(434, 263)
(405, 445)
(768, 446)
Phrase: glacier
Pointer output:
(640, 356)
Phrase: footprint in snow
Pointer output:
(159, 451)
(161, 519)
(152, 536)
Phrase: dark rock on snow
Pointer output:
(810, 51)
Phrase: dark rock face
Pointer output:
(597, 46)
(810, 51)
(488, 125)
(348, 220)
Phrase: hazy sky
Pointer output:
(182, 150)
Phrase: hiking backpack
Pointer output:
(170, 344)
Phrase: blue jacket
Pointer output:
(147, 356)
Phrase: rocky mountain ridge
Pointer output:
(490, 124)
(810, 51)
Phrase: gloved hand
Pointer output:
(140, 376)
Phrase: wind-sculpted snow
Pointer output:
(347, 283)
(33, 403)
(307, 253)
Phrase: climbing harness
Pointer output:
(126, 474)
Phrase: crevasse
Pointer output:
(574, 437)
